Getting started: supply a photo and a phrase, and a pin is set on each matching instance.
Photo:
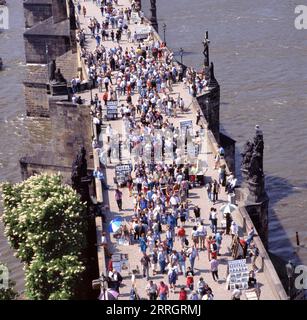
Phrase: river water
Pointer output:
(261, 64)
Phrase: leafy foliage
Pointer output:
(45, 223)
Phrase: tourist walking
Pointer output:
(214, 268)
(236, 293)
(145, 262)
(119, 199)
(192, 254)
(152, 290)
(163, 291)
(182, 294)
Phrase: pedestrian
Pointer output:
(109, 152)
(163, 291)
(198, 116)
(215, 191)
(181, 236)
(194, 296)
(181, 262)
(197, 213)
(209, 190)
(192, 253)
(218, 239)
(142, 239)
(228, 219)
(182, 294)
(234, 229)
(133, 294)
(116, 279)
(145, 262)
(202, 233)
(118, 198)
(152, 290)
(254, 254)
(250, 236)
(214, 268)
(190, 278)
(84, 11)
(172, 278)
(162, 260)
(201, 286)
(236, 293)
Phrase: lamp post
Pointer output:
(164, 29)
(206, 49)
(181, 51)
(290, 272)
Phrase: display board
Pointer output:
(122, 173)
(143, 32)
(112, 112)
(120, 262)
(238, 274)
(135, 18)
(186, 124)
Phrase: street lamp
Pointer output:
(290, 272)
(164, 29)
(181, 51)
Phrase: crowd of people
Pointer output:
(159, 190)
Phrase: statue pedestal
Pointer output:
(58, 89)
(256, 191)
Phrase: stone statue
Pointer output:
(247, 155)
(252, 157)
(206, 50)
(51, 70)
(59, 78)
(79, 171)
(255, 170)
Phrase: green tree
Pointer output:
(55, 280)
(45, 221)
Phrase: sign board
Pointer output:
(122, 172)
(135, 18)
(238, 274)
(112, 109)
(143, 32)
(186, 124)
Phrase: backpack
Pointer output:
(186, 241)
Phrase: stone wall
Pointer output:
(35, 12)
(209, 103)
(35, 48)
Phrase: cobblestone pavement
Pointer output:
(198, 196)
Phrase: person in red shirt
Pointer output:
(190, 278)
(182, 294)
(181, 235)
